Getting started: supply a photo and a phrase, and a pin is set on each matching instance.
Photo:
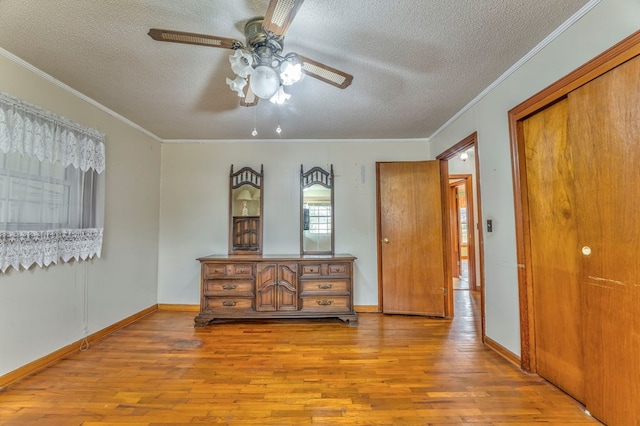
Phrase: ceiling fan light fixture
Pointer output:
(241, 62)
(280, 97)
(237, 85)
(264, 81)
(290, 73)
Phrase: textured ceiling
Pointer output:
(415, 63)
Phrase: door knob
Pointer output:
(586, 250)
(386, 241)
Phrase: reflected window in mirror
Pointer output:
(316, 211)
(245, 211)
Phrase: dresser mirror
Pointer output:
(316, 211)
(245, 211)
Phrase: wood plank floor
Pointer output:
(390, 370)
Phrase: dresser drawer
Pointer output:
(228, 304)
(324, 269)
(228, 287)
(325, 304)
(324, 286)
(240, 270)
(231, 270)
(310, 270)
(338, 269)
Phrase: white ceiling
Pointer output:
(415, 63)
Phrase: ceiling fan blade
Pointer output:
(250, 98)
(279, 15)
(193, 38)
(325, 73)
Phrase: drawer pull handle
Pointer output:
(229, 286)
(324, 302)
(324, 286)
(228, 303)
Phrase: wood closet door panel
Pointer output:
(604, 127)
(412, 247)
(555, 258)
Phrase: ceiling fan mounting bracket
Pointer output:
(258, 38)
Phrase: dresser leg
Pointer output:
(201, 321)
(350, 320)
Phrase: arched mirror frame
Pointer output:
(315, 176)
(245, 211)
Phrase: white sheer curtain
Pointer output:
(51, 187)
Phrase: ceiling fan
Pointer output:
(260, 67)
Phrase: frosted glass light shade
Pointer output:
(241, 63)
(280, 97)
(291, 73)
(264, 82)
(237, 85)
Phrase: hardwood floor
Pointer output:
(389, 370)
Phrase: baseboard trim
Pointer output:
(502, 351)
(367, 308)
(178, 308)
(47, 360)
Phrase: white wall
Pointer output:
(41, 310)
(194, 218)
(605, 25)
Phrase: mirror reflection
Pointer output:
(245, 211)
(316, 236)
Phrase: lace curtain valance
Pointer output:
(33, 131)
(51, 187)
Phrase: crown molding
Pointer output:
(24, 64)
(515, 67)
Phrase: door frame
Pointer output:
(455, 234)
(606, 61)
(470, 141)
(467, 181)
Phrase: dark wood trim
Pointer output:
(606, 61)
(378, 237)
(502, 351)
(446, 237)
(466, 143)
(480, 242)
(53, 357)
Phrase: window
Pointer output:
(319, 218)
(51, 187)
(33, 194)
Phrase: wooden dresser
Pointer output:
(274, 286)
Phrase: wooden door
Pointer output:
(604, 126)
(266, 282)
(287, 294)
(555, 260)
(276, 287)
(411, 238)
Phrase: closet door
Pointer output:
(555, 258)
(604, 130)
(411, 250)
